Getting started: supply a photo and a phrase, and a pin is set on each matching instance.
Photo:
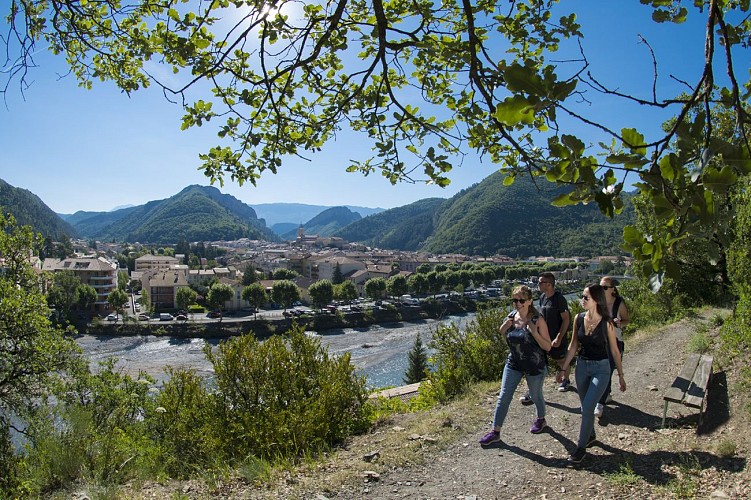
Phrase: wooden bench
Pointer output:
(690, 386)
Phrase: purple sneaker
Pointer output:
(538, 426)
(490, 437)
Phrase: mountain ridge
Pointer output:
(29, 210)
(490, 218)
(196, 213)
(485, 219)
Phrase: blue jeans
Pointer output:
(591, 381)
(621, 348)
(509, 383)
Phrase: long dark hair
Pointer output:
(597, 293)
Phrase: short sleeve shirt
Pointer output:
(551, 309)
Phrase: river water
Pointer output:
(379, 352)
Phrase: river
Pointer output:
(379, 352)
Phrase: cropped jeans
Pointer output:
(591, 380)
(509, 383)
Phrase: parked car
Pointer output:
(181, 317)
(112, 317)
(214, 314)
(165, 317)
(143, 317)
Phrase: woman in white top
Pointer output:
(619, 313)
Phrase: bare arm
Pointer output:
(623, 315)
(540, 333)
(573, 346)
(616, 355)
(561, 334)
(506, 325)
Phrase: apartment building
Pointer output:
(163, 286)
(97, 272)
(150, 262)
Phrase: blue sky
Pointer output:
(99, 149)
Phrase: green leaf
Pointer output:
(520, 78)
(633, 140)
(632, 236)
(563, 200)
(663, 209)
(563, 89)
(667, 168)
(514, 110)
(719, 180)
(573, 143)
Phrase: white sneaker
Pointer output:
(526, 399)
(598, 410)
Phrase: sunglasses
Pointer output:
(518, 301)
(606, 287)
(543, 282)
(585, 297)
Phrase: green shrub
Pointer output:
(726, 448)
(463, 357)
(624, 476)
(717, 320)
(9, 463)
(648, 309)
(183, 423)
(735, 333)
(277, 399)
(96, 430)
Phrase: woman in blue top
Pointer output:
(528, 340)
(594, 340)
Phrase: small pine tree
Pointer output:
(418, 363)
(338, 277)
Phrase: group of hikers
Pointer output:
(535, 332)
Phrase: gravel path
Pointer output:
(653, 462)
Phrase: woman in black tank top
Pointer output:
(619, 312)
(594, 341)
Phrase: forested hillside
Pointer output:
(91, 223)
(519, 220)
(197, 213)
(29, 210)
(490, 218)
(326, 223)
(401, 228)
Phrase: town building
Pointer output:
(97, 272)
(162, 286)
(148, 262)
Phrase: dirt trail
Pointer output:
(629, 436)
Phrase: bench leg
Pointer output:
(664, 414)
